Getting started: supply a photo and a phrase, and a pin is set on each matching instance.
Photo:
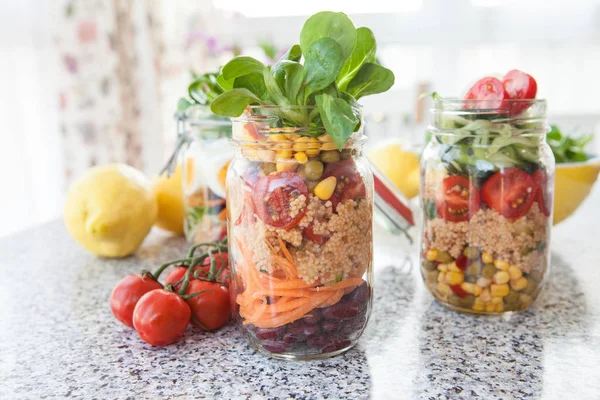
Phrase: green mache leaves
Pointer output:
(254, 82)
(370, 79)
(240, 66)
(338, 118)
(323, 62)
(332, 25)
(204, 89)
(364, 52)
(232, 103)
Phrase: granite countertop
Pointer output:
(58, 338)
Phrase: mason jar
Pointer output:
(486, 199)
(205, 156)
(300, 235)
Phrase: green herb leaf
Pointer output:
(430, 210)
(294, 53)
(183, 105)
(332, 25)
(233, 102)
(338, 118)
(370, 79)
(568, 148)
(273, 89)
(294, 76)
(254, 82)
(323, 62)
(364, 52)
(204, 89)
(240, 66)
(224, 83)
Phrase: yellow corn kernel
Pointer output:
(442, 277)
(292, 136)
(500, 307)
(487, 258)
(442, 267)
(478, 307)
(483, 282)
(514, 272)
(501, 277)
(468, 287)
(313, 143)
(281, 146)
(499, 290)
(496, 300)
(301, 144)
(519, 284)
(312, 152)
(501, 265)
(453, 267)
(301, 157)
(477, 291)
(444, 289)
(454, 278)
(325, 188)
(266, 155)
(278, 137)
(328, 146)
(478, 301)
(283, 154)
(286, 166)
(485, 296)
(490, 307)
(325, 138)
(431, 254)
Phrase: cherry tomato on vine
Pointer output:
(211, 308)
(519, 86)
(273, 198)
(221, 264)
(350, 184)
(161, 317)
(457, 199)
(176, 275)
(127, 293)
(489, 93)
(540, 178)
(511, 192)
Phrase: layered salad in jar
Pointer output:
(486, 196)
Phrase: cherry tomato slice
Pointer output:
(458, 291)
(458, 199)
(541, 181)
(519, 86)
(510, 192)
(310, 234)
(127, 293)
(210, 310)
(489, 92)
(350, 184)
(160, 317)
(273, 196)
(462, 262)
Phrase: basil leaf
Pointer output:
(240, 66)
(332, 25)
(323, 62)
(370, 79)
(364, 52)
(254, 82)
(233, 102)
(338, 118)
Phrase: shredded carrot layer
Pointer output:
(269, 301)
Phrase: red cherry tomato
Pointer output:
(273, 196)
(176, 275)
(310, 234)
(211, 308)
(350, 184)
(510, 192)
(519, 86)
(458, 291)
(462, 262)
(458, 199)
(221, 264)
(489, 93)
(251, 129)
(541, 181)
(160, 317)
(127, 293)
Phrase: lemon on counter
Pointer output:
(573, 184)
(110, 210)
(169, 197)
(400, 166)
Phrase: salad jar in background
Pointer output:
(205, 156)
(486, 198)
(300, 235)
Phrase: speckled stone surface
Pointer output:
(58, 338)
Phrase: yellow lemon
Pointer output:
(110, 210)
(401, 167)
(573, 184)
(169, 196)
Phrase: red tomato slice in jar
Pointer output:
(519, 86)
(275, 199)
(459, 291)
(541, 181)
(510, 192)
(458, 199)
(350, 184)
(310, 234)
(489, 93)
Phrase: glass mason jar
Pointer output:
(486, 200)
(300, 234)
(206, 155)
